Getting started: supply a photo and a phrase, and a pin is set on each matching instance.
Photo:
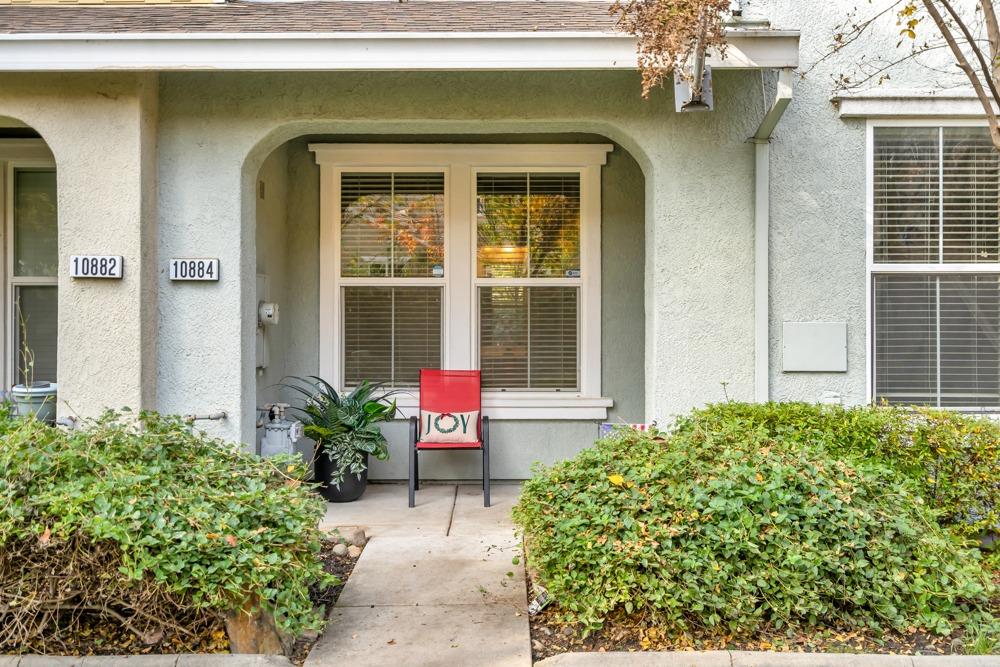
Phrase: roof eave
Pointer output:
(35, 52)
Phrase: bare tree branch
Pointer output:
(964, 65)
(973, 44)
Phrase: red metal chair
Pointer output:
(449, 392)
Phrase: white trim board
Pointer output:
(945, 105)
(747, 49)
(460, 345)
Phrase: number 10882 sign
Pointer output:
(95, 266)
(194, 269)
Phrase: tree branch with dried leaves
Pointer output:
(671, 34)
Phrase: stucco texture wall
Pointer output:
(101, 129)
(216, 130)
(288, 252)
(158, 168)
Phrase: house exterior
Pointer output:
(480, 185)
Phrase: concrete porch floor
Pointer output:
(435, 585)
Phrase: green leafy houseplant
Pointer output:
(345, 425)
(150, 526)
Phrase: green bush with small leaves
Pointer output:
(952, 458)
(737, 524)
(146, 522)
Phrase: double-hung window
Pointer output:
(465, 256)
(30, 233)
(934, 260)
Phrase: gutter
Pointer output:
(762, 232)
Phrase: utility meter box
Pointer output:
(814, 347)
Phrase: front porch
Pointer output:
(435, 584)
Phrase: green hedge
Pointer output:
(146, 521)
(744, 517)
(953, 459)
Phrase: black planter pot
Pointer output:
(350, 489)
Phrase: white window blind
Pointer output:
(936, 339)
(935, 206)
(528, 225)
(392, 224)
(935, 192)
(528, 337)
(390, 333)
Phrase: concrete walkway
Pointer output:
(434, 586)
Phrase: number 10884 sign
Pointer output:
(194, 269)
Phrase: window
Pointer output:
(29, 297)
(465, 256)
(935, 269)
(391, 235)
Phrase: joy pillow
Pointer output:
(449, 426)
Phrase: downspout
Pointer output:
(761, 236)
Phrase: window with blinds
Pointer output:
(528, 225)
(935, 206)
(935, 195)
(390, 333)
(527, 236)
(33, 314)
(528, 337)
(392, 224)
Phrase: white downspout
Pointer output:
(761, 235)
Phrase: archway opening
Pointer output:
(368, 328)
(29, 233)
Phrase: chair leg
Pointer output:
(486, 462)
(413, 460)
(416, 469)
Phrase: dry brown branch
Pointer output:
(671, 34)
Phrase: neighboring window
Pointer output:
(935, 271)
(528, 234)
(391, 234)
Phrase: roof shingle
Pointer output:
(314, 16)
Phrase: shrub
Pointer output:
(953, 459)
(147, 523)
(735, 526)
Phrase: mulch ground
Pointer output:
(341, 567)
(92, 634)
(628, 633)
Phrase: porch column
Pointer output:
(102, 132)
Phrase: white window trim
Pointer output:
(15, 154)
(460, 162)
(872, 268)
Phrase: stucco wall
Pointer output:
(698, 261)
(102, 131)
(202, 138)
(516, 444)
(272, 240)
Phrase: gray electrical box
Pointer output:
(816, 347)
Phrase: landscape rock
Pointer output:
(340, 550)
(354, 551)
(356, 537)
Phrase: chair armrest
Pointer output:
(414, 430)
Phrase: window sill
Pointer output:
(526, 405)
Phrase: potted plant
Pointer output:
(345, 429)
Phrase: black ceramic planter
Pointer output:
(350, 489)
